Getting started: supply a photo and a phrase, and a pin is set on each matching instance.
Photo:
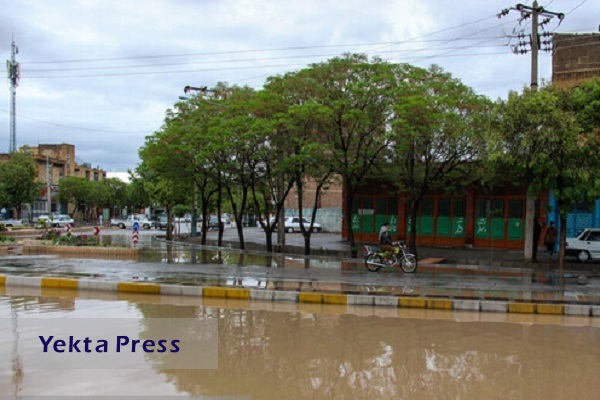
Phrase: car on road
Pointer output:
(213, 223)
(62, 220)
(586, 246)
(292, 224)
(54, 220)
(141, 219)
(10, 222)
(249, 220)
(161, 223)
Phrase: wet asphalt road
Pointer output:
(171, 263)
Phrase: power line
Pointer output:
(76, 127)
(576, 7)
(230, 61)
(290, 48)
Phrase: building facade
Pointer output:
(575, 58)
(55, 162)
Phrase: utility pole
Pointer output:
(13, 76)
(48, 186)
(534, 12)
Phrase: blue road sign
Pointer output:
(136, 226)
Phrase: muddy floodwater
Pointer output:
(297, 351)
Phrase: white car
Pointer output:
(586, 246)
(62, 220)
(292, 224)
(55, 220)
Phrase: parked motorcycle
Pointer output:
(377, 258)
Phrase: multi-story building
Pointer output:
(576, 58)
(54, 162)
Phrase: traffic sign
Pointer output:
(136, 226)
(135, 236)
(96, 231)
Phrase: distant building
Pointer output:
(329, 204)
(576, 58)
(54, 162)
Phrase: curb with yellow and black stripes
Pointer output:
(513, 307)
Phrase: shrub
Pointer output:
(6, 239)
(57, 239)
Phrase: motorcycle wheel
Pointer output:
(409, 263)
(371, 262)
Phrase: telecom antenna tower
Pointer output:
(13, 77)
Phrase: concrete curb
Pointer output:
(84, 251)
(349, 300)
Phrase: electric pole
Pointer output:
(13, 76)
(535, 12)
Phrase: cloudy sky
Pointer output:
(100, 74)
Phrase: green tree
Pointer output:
(231, 143)
(439, 125)
(166, 171)
(116, 194)
(356, 94)
(77, 191)
(308, 158)
(550, 141)
(18, 181)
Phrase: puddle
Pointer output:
(269, 351)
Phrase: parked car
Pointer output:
(249, 220)
(141, 219)
(586, 246)
(10, 222)
(185, 218)
(161, 223)
(292, 224)
(213, 223)
(54, 221)
(62, 220)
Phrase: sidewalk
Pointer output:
(332, 245)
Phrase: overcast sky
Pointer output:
(100, 74)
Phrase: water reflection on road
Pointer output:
(274, 351)
(170, 263)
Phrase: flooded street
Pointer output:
(303, 351)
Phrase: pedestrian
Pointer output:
(100, 220)
(550, 238)
(537, 231)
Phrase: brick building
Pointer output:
(54, 162)
(329, 204)
(576, 57)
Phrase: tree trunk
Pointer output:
(561, 251)
(307, 244)
(219, 211)
(348, 221)
(269, 238)
(169, 223)
(530, 220)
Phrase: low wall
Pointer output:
(118, 253)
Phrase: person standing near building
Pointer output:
(550, 238)
(537, 231)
